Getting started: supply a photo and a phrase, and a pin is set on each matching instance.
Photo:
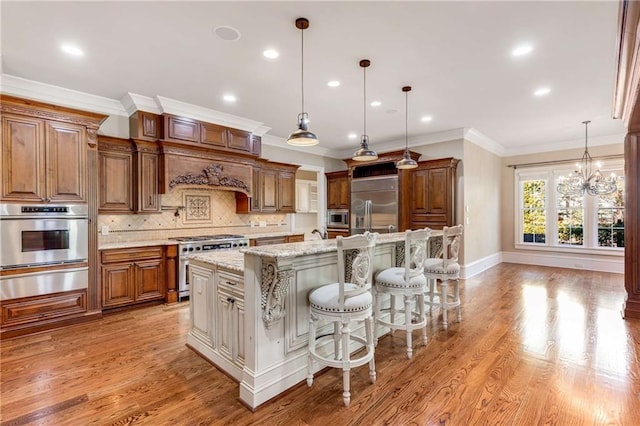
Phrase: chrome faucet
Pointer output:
(322, 234)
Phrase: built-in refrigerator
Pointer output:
(374, 204)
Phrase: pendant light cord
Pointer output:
(302, 67)
(406, 121)
(364, 70)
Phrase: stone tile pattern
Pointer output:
(177, 220)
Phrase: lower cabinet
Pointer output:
(217, 316)
(332, 233)
(132, 275)
(265, 241)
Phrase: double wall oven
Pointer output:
(44, 249)
(198, 244)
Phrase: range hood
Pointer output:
(203, 169)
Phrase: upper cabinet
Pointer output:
(44, 152)
(274, 189)
(128, 176)
(180, 129)
(432, 191)
(338, 190)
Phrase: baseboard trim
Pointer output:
(588, 263)
(474, 268)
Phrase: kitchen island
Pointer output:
(249, 309)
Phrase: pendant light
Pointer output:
(302, 136)
(407, 162)
(364, 153)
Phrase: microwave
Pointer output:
(338, 218)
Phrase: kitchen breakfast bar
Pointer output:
(249, 309)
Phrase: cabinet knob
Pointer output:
(231, 300)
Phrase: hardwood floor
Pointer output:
(536, 345)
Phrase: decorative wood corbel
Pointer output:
(274, 287)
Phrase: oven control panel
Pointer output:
(45, 209)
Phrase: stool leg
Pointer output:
(407, 322)
(457, 293)
(392, 311)
(312, 348)
(369, 326)
(346, 368)
(432, 289)
(336, 340)
(376, 315)
(443, 302)
(423, 317)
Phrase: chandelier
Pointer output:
(586, 178)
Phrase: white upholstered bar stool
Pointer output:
(409, 283)
(342, 303)
(445, 269)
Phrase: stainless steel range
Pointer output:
(199, 244)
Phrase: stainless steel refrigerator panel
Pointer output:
(378, 183)
(374, 204)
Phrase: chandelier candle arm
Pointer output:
(584, 178)
(303, 136)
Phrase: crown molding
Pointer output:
(35, 90)
(183, 109)
(564, 145)
(133, 102)
(483, 141)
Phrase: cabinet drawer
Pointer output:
(295, 238)
(129, 254)
(230, 282)
(38, 308)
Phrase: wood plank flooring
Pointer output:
(536, 345)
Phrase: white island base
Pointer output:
(250, 313)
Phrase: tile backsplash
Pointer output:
(189, 212)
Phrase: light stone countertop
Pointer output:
(137, 243)
(310, 247)
(231, 259)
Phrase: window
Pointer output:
(547, 219)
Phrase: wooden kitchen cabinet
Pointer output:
(115, 176)
(338, 190)
(274, 190)
(43, 160)
(282, 239)
(132, 275)
(128, 176)
(432, 194)
(332, 233)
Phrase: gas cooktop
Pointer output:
(207, 237)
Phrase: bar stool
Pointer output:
(342, 303)
(408, 282)
(445, 269)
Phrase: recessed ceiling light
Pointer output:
(333, 83)
(375, 103)
(542, 91)
(72, 50)
(227, 33)
(426, 119)
(523, 49)
(270, 54)
(352, 135)
(229, 98)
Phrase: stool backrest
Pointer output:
(415, 252)
(356, 253)
(451, 239)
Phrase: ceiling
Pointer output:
(455, 55)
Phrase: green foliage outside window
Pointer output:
(534, 225)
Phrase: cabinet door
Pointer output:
(201, 281)
(117, 285)
(23, 159)
(149, 281)
(334, 233)
(298, 238)
(148, 198)
(66, 155)
(287, 192)
(338, 193)
(239, 332)
(115, 177)
(269, 186)
(239, 140)
(213, 135)
(224, 317)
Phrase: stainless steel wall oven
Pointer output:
(35, 240)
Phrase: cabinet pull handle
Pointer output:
(231, 283)
(231, 300)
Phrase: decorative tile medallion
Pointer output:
(197, 208)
